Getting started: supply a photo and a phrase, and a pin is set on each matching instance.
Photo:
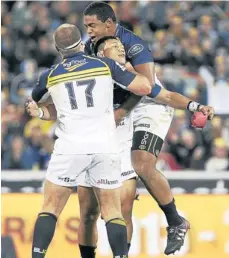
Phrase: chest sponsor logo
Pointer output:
(72, 65)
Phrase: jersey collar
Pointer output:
(117, 30)
(75, 54)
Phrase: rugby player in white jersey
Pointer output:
(110, 47)
(151, 119)
(81, 89)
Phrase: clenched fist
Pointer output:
(32, 108)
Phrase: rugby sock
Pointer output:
(87, 251)
(171, 214)
(43, 234)
(117, 236)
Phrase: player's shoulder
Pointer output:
(132, 42)
(44, 74)
(97, 61)
(127, 35)
(111, 63)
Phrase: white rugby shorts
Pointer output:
(127, 171)
(153, 118)
(98, 170)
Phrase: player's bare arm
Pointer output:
(178, 101)
(140, 85)
(147, 70)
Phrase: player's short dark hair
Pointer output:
(102, 10)
(101, 42)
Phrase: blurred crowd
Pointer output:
(190, 46)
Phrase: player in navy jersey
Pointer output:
(111, 47)
(81, 88)
(151, 121)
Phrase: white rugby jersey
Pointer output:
(81, 88)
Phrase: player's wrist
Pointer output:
(41, 113)
(193, 106)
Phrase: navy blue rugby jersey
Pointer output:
(137, 52)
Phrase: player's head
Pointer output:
(111, 47)
(100, 20)
(67, 39)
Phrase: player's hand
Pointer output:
(32, 108)
(207, 110)
(119, 114)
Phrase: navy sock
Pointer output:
(87, 251)
(43, 234)
(172, 216)
(117, 236)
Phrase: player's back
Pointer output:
(82, 90)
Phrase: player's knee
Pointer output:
(143, 162)
(90, 215)
(52, 205)
(110, 213)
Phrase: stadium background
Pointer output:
(190, 42)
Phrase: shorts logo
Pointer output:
(127, 173)
(142, 147)
(107, 182)
(145, 137)
(121, 123)
(134, 50)
(144, 125)
(66, 179)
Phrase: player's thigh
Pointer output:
(110, 202)
(151, 125)
(89, 207)
(61, 178)
(55, 197)
(105, 177)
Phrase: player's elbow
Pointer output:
(146, 87)
(140, 86)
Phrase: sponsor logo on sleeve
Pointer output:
(134, 50)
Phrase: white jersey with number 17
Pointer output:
(81, 88)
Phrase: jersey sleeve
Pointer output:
(120, 75)
(40, 92)
(138, 51)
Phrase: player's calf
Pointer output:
(55, 198)
(128, 191)
(110, 206)
(89, 213)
